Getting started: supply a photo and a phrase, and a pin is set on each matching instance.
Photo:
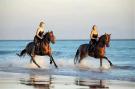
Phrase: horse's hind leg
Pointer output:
(108, 60)
(81, 58)
(76, 56)
(32, 58)
(76, 59)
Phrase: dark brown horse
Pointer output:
(45, 47)
(83, 50)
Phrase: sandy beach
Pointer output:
(32, 81)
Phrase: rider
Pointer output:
(93, 36)
(39, 35)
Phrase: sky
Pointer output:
(68, 19)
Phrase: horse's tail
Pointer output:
(23, 52)
(76, 56)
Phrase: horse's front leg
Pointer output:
(101, 62)
(50, 53)
(52, 60)
(108, 61)
(47, 51)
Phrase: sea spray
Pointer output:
(92, 63)
(43, 61)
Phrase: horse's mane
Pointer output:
(46, 34)
(102, 38)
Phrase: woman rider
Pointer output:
(39, 35)
(93, 36)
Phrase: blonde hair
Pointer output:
(93, 27)
(41, 24)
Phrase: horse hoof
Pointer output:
(51, 62)
(111, 64)
(56, 67)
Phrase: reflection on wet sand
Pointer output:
(38, 82)
(92, 84)
(58, 82)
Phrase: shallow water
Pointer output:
(120, 52)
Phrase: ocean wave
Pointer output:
(88, 68)
(57, 52)
(3, 52)
(124, 67)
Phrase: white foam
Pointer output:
(86, 63)
(43, 61)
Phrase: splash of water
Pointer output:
(42, 61)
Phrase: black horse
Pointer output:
(45, 47)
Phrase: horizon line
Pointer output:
(56, 40)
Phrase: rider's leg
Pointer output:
(94, 43)
(90, 43)
(35, 48)
(40, 47)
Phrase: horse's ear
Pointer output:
(51, 31)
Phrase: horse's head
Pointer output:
(49, 36)
(105, 39)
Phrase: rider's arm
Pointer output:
(91, 34)
(37, 33)
(97, 33)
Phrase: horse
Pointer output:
(44, 47)
(99, 52)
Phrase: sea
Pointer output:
(121, 53)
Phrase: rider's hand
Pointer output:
(40, 37)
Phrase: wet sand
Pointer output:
(33, 81)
